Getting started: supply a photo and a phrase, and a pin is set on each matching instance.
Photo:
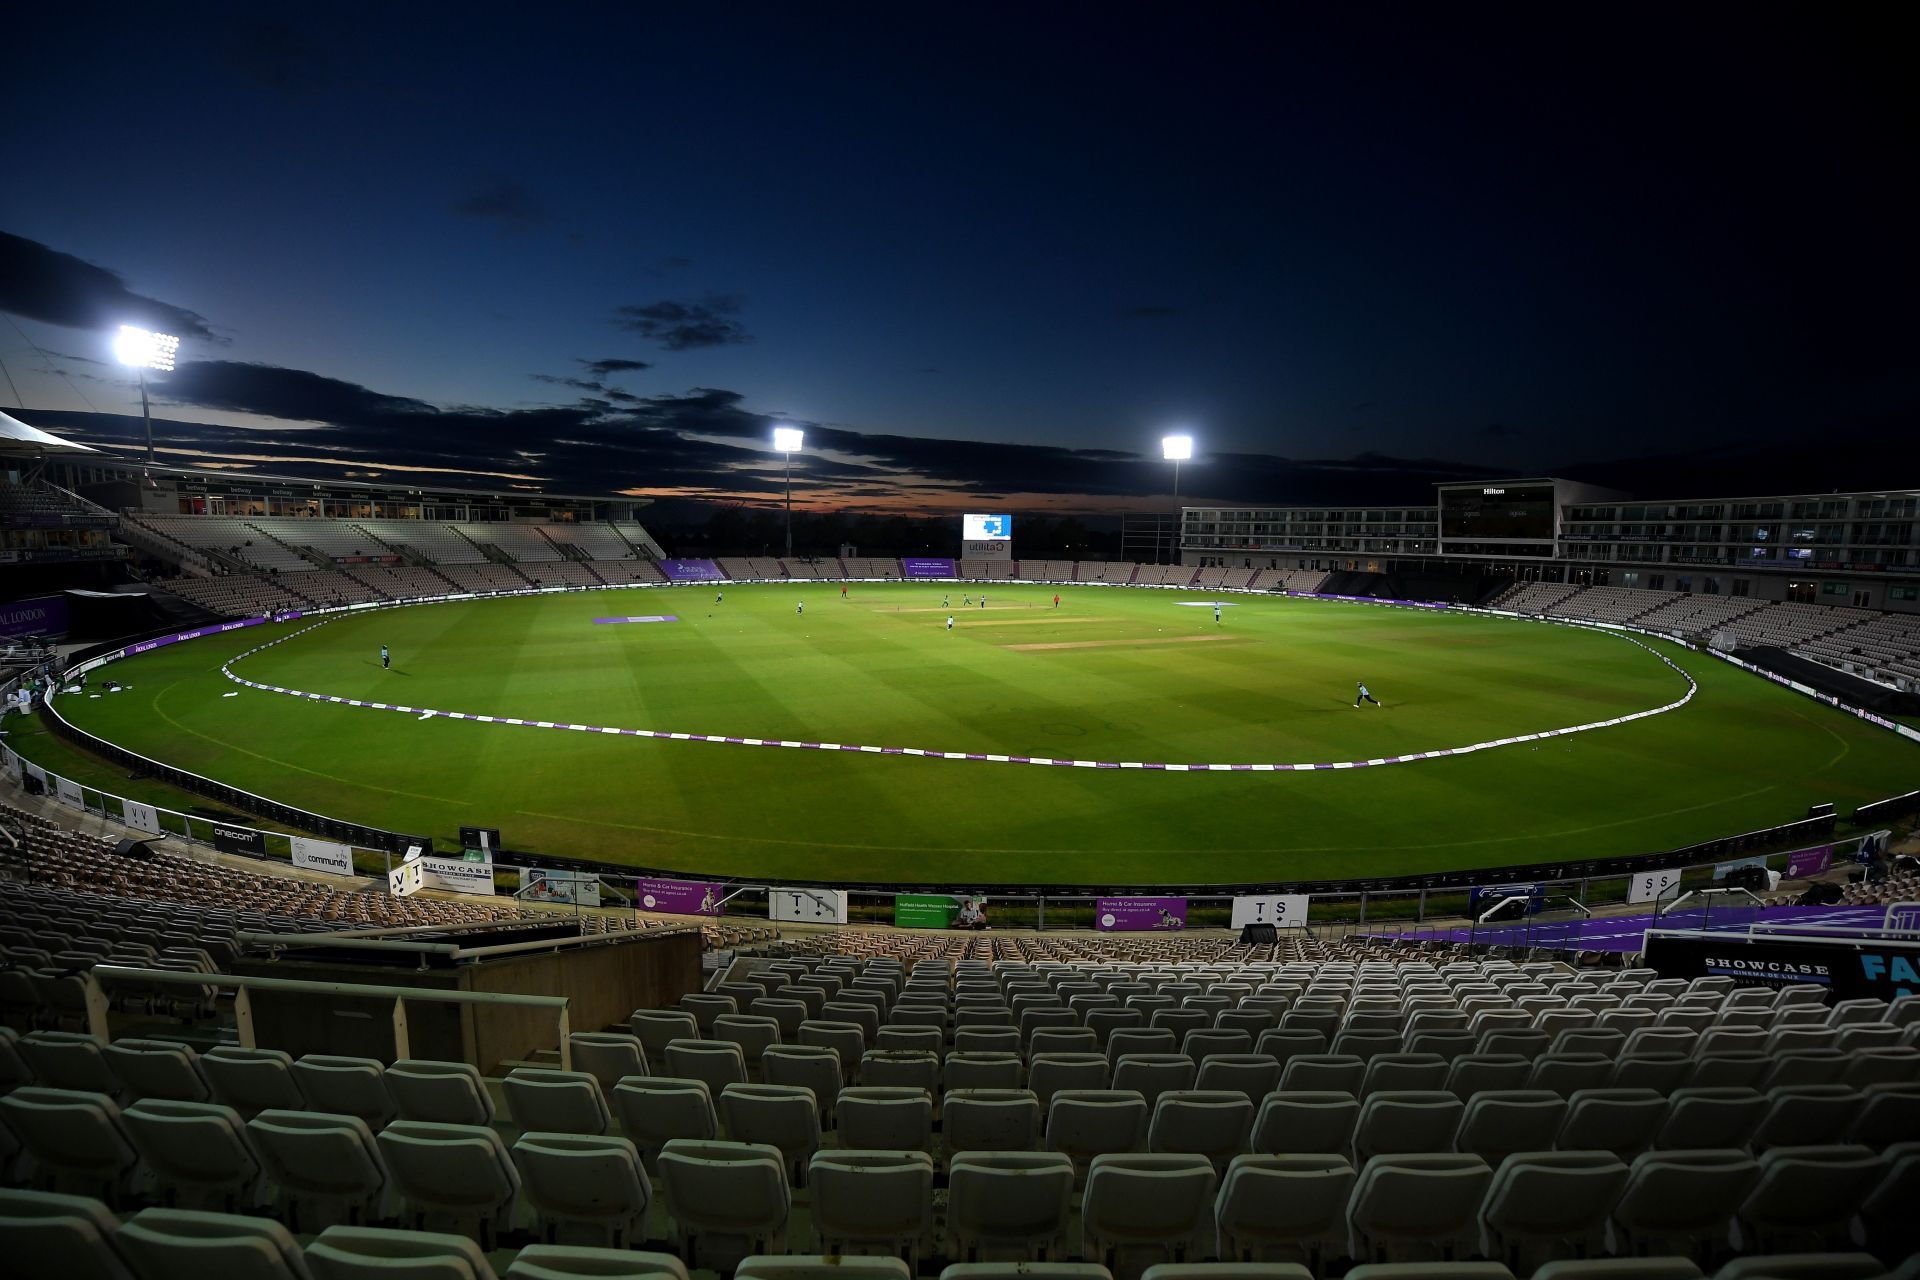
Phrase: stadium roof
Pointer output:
(17, 437)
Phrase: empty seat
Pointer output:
(1623, 1121)
(1305, 1122)
(1568, 1073)
(821, 1267)
(1048, 1072)
(873, 1201)
(1151, 1074)
(1323, 1072)
(1253, 1074)
(252, 1080)
(987, 1071)
(992, 1120)
(1217, 1125)
(1540, 1198)
(1407, 1121)
(344, 1086)
(325, 1169)
(181, 1244)
(1401, 1071)
(654, 1110)
(1498, 1123)
(1805, 1266)
(76, 1139)
(606, 1056)
(68, 1060)
(784, 1117)
(1681, 1201)
(712, 1062)
(901, 1068)
(157, 1069)
(436, 1092)
(885, 1118)
(556, 1101)
(1008, 1205)
(1084, 1123)
(1289, 1208)
(752, 1034)
(728, 1200)
(805, 1066)
(1806, 1196)
(1416, 1202)
(1143, 1209)
(657, 1028)
(584, 1189)
(198, 1152)
(1806, 1115)
(452, 1177)
(47, 1234)
(377, 1253)
(1704, 1118)
(1471, 1073)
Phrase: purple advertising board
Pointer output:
(692, 571)
(1802, 863)
(43, 615)
(1135, 915)
(925, 567)
(677, 897)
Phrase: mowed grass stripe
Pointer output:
(1743, 754)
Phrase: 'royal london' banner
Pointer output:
(1139, 915)
(677, 897)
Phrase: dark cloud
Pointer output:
(684, 326)
(505, 203)
(58, 288)
(581, 384)
(602, 369)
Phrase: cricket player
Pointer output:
(386, 659)
(949, 622)
(800, 608)
(1364, 696)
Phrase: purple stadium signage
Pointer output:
(1802, 863)
(1136, 915)
(677, 897)
(692, 571)
(925, 567)
(146, 645)
(33, 617)
(652, 617)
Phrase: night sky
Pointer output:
(983, 254)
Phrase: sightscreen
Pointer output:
(1496, 511)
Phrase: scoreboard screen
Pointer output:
(1492, 512)
(975, 528)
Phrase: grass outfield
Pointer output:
(1112, 675)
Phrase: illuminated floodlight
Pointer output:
(1176, 448)
(788, 439)
(140, 348)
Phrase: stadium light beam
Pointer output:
(788, 440)
(1176, 449)
(141, 350)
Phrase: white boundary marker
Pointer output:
(226, 669)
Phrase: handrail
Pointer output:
(242, 984)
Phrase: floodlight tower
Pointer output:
(1176, 449)
(141, 350)
(788, 441)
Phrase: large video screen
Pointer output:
(986, 528)
(1493, 512)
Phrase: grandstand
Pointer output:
(851, 1101)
